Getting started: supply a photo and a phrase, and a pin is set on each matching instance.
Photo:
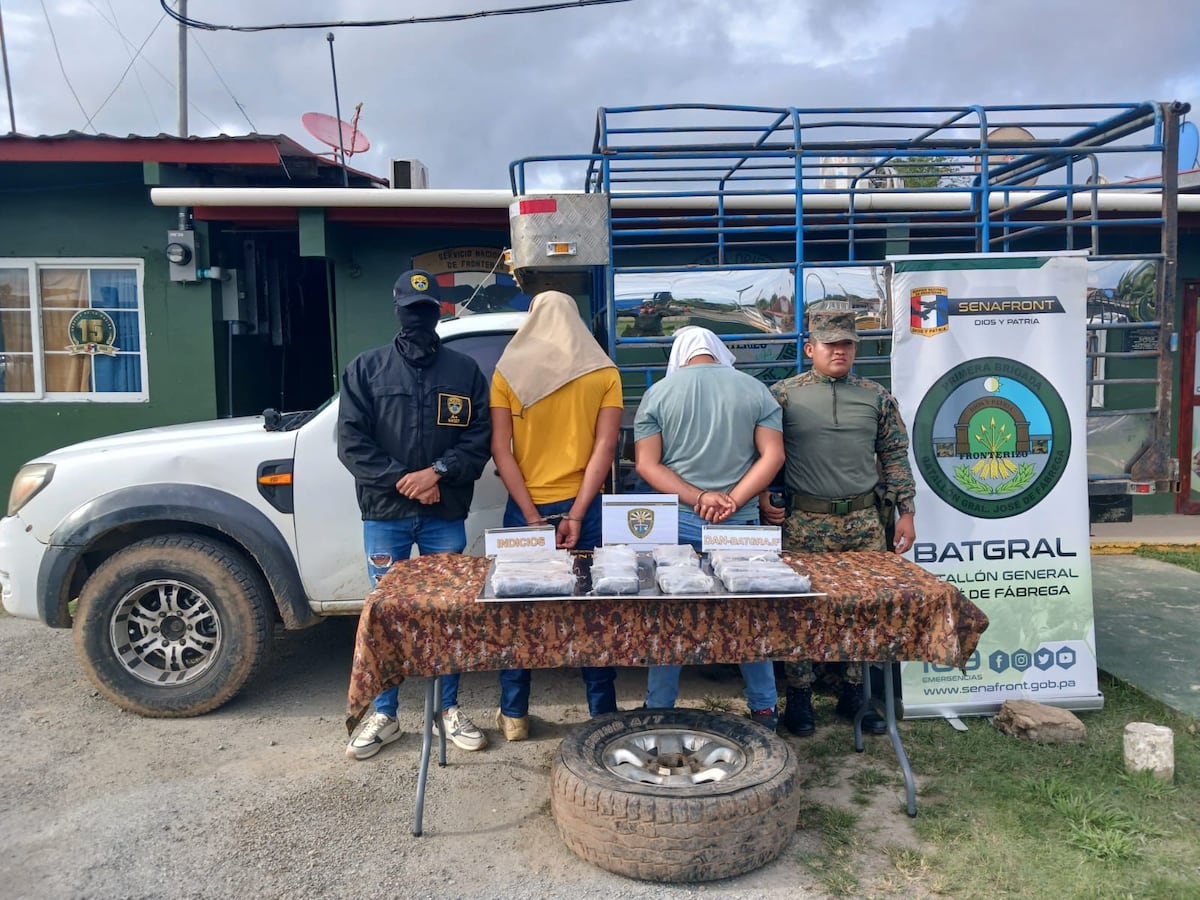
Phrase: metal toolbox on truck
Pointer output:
(556, 231)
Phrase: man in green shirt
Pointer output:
(843, 437)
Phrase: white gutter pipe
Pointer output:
(947, 201)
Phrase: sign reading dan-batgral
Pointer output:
(641, 520)
(989, 368)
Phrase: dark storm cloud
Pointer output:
(468, 97)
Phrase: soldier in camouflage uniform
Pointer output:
(844, 437)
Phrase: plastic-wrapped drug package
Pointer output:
(534, 576)
(675, 555)
(719, 558)
(614, 570)
(610, 580)
(683, 579)
(763, 578)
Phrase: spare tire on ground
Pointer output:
(675, 794)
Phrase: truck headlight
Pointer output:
(29, 481)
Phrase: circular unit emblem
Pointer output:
(992, 437)
(91, 331)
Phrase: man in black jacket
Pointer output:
(414, 430)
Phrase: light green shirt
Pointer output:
(706, 415)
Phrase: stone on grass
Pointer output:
(1038, 722)
(1151, 748)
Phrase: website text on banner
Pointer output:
(989, 369)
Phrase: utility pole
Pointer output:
(12, 113)
(183, 70)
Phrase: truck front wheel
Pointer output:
(172, 626)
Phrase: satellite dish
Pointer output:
(1009, 134)
(1189, 146)
(325, 129)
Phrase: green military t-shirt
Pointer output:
(706, 415)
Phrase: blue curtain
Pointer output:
(115, 290)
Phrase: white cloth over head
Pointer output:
(692, 341)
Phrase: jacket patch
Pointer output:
(454, 409)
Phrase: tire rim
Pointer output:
(673, 757)
(165, 632)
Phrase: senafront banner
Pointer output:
(989, 369)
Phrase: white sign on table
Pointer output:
(519, 541)
(641, 520)
(757, 538)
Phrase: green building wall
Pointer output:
(103, 211)
(367, 261)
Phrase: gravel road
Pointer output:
(257, 799)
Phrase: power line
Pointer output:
(415, 20)
(120, 81)
(116, 26)
(216, 71)
(62, 68)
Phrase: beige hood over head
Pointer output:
(552, 348)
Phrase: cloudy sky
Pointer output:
(467, 97)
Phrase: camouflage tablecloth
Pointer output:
(423, 619)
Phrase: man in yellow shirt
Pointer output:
(556, 414)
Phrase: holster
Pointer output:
(885, 502)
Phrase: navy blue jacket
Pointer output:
(395, 418)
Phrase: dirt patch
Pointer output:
(257, 799)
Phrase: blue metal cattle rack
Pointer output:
(695, 188)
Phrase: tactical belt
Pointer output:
(834, 507)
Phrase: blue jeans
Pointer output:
(389, 540)
(662, 682)
(599, 681)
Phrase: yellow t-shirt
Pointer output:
(553, 439)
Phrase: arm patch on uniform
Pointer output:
(454, 410)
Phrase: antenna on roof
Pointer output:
(12, 113)
(339, 128)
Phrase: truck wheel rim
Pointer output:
(673, 757)
(165, 632)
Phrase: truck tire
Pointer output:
(677, 795)
(172, 626)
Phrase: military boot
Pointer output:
(798, 713)
(851, 701)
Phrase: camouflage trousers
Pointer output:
(807, 532)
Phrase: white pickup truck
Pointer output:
(201, 538)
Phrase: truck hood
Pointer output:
(191, 435)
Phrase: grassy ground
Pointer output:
(1188, 558)
(1002, 817)
(1010, 818)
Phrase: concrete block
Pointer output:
(1150, 747)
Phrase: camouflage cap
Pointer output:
(828, 326)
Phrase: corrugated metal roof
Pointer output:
(223, 149)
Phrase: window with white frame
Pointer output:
(72, 330)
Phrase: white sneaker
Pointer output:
(378, 730)
(459, 729)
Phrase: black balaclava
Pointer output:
(418, 341)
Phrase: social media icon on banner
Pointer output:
(1065, 657)
(998, 661)
(1043, 659)
(1021, 660)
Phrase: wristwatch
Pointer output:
(440, 468)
